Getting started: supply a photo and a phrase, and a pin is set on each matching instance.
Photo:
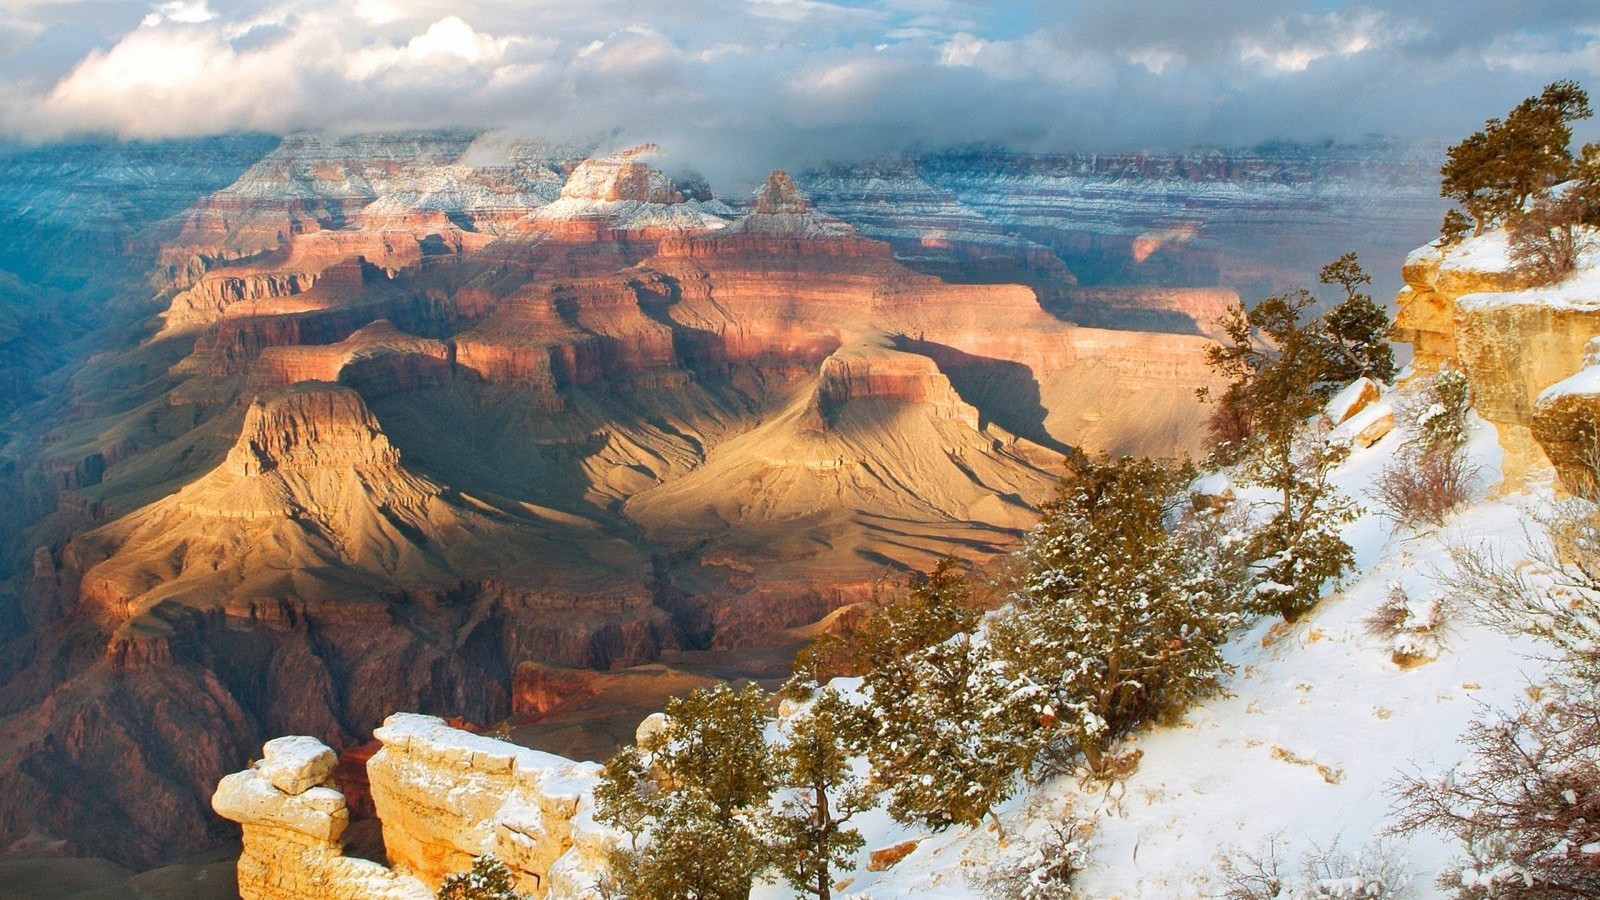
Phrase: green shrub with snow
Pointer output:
(1119, 617)
(692, 800)
(488, 879)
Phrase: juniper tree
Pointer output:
(808, 835)
(952, 725)
(1355, 331)
(694, 795)
(1492, 173)
(1278, 361)
(1120, 613)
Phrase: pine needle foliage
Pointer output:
(691, 800)
(1119, 617)
(809, 834)
(1493, 173)
(1284, 365)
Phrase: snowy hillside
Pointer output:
(1319, 725)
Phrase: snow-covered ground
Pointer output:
(1318, 725)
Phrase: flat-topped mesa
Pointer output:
(621, 193)
(875, 369)
(310, 426)
(376, 359)
(282, 282)
(1467, 306)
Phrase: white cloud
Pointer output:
(447, 43)
(749, 84)
(185, 12)
(961, 50)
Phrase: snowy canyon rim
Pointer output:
(405, 374)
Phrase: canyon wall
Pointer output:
(1467, 307)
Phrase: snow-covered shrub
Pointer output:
(1039, 868)
(954, 725)
(1376, 872)
(1417, 488)
(1555, 598)
(488, 879)
(1118, 615)
(1525, 804)
(1413, 628)
(1435, 413)
(1431, 475)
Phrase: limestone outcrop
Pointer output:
(294, 822)
(1566, 423)
(444, 796)
(1465, 306)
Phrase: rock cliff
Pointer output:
(1466, 306)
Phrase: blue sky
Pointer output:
(747, 84)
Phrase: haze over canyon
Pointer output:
(304, 431)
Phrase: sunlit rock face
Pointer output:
(1466, 306)
(427, 410)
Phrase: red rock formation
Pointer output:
(376, 359)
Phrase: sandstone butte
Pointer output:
(1531, 354)
(410, 424)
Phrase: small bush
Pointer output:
(1040, 869)
(1525, 804)
(488, 879)
(1414, 629)
(1426, 487)
(1377, 872)
(1436, 412)
(1546, 238)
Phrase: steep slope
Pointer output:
(881, 464)
(309, 579)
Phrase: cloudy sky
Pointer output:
(741, 85)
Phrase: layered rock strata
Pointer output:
(443, 796)
(1466, 306)
(293, 822)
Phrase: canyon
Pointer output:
(441, 423)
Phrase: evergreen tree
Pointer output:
(953, 726)
(1300, 548)
(1279, 365)
(1356, 331)
(1117, 616)
(488, 879)
(927, 613)
(695, 796)
(809, 836)
(1492, 173)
